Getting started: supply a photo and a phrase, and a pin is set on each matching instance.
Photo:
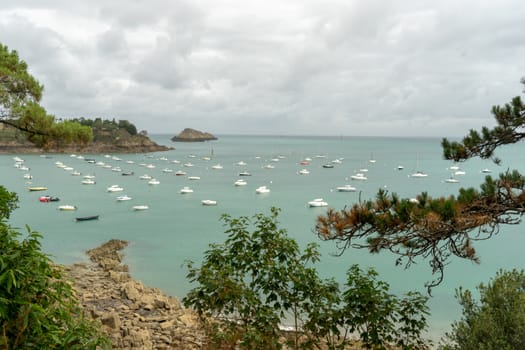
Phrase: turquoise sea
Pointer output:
(177, 227)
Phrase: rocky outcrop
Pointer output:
(133, 315)
(134, 144)
(192, 135)
(13, 141)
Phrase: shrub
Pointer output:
(497, 321)
(38, 308)
(256, 280)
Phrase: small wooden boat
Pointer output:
(87, 218)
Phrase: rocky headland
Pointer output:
(13, 141)
(192, 135)
(133, 315)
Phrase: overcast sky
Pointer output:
(294, 67)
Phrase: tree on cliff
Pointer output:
(20, 94)
(439, 228)
(38, 309)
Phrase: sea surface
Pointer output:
(177, 227)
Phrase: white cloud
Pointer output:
(295, 67)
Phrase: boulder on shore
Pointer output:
(192, 135)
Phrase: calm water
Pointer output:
(177, 227)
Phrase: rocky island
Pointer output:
(192, 135)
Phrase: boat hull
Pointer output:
(87, 218)
(33, 189)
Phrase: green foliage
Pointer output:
(379, 317)
(497, 321)
(105, 130)
(256, 280)
(251, 280)
(129, 127)
(38, 309)
(510, 119)
(8, 203)
(20, 94)
(108, 125)
(17, 86)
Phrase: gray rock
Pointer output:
(192, 135)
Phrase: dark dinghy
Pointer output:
(87, 218)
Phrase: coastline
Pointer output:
(91, 149)
(13, 141)
(133, 315)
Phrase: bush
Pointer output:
(38, 308)
(497, 321)
(256, 280)
(250, 281)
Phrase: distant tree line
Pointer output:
(98, 124)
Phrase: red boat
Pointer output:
(46, 199)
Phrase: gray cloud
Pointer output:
(297, 67)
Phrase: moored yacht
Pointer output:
(346, 188)
(318, 202)
(262, 189)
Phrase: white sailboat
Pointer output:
(418, 173)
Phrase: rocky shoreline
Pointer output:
(94, 148)
(134, 316)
